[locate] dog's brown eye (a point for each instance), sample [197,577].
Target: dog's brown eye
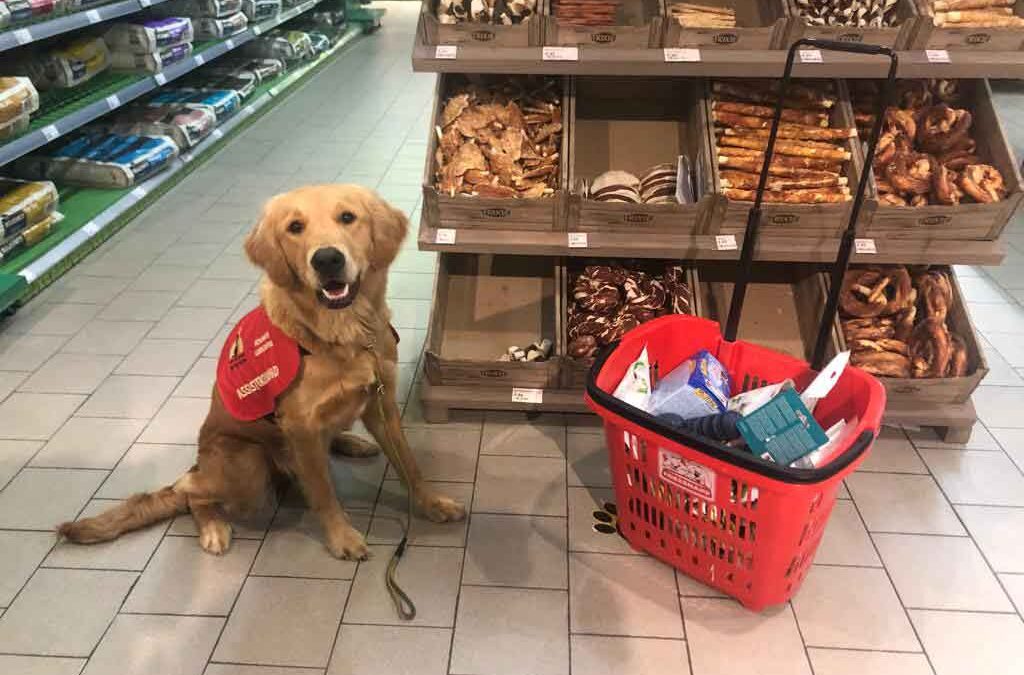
[347,217]
[295,227]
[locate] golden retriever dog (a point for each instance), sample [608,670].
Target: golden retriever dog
[325,252]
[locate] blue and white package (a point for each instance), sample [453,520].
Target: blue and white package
[103,160]
[222,102]
[697,387]
[150,35]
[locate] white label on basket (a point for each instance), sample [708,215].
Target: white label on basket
[679,55]
[687,475]
[94,16]
[199,59]
[50,132]
[810,56]
[160,78]
[22,36]
[866,246]
[446,52]
[444,235]
[139,192]
[522,395]
[578,240]
[560,54]
[725,242]
[936,55]
[113,102]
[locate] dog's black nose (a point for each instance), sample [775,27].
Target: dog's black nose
[328,261]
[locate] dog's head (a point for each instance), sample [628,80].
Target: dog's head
[326,239]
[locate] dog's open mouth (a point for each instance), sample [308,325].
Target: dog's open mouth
[337,294]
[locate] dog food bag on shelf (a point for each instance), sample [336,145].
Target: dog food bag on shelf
[260,10]
[149,36]
[264,69]
[242,83]
[290,45]
[150,63]
[5,16]
[320,43]
[95,159]
[208,28]
[24,204]
[23,11]
[199,8]
[222,103]
[18,98]
[28,237]
[67,66]
[186,125]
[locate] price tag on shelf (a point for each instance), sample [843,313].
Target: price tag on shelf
[160,78]
[272,91]
[50,132]
[139,192]
[523,395]
[725,242]
[22,36]
[93,16]
[248,110]
[217,134]
[865,246]
[113,102]
[444,235]
[560,54]
[257,29]
[145,3]
[678,55]
[90,228]
[936,55]
[199,59]
[810,56]
[578,240]
[230,43]
[446,52]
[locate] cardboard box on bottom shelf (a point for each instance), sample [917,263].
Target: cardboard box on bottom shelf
[498,150]
[972,36]
[760,24]
[574,370]
[896,36]
[967,220]
[943,389]
[822,220]
[482,306]
[632,125]
[433,30]
[631,24]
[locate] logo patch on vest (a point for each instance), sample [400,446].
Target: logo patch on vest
[257,363]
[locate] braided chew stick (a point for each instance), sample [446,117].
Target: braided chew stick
[748,181]
[783,147]
[751,160]
[792,115]
[811,196]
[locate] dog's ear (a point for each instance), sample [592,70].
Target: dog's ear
[263,249]
[389,229]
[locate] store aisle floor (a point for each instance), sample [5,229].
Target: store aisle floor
[104,380]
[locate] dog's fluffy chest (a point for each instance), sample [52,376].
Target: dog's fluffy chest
[332,390]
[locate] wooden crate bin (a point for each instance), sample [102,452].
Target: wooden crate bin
[432,32]
[896,37]
[966,38]
[631,124]
[782,310]
[760,24]
[485,304]
[464,211]
[638,26]
[901,390]
[574,371]
[966,221]
[802,220]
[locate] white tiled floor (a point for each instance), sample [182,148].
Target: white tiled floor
[105,377]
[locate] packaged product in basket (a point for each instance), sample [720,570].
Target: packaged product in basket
[209,28]
[150,63]
[28,237]
[66,66]
[22,11]
[149,36]
[222,103]
[18,97]
[96,159]
[782,430]
[24,204]
[635,387]
[185,124]
[260,10]
[199,8]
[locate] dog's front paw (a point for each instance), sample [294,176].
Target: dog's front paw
[348,544]
[441,509]
[215,537]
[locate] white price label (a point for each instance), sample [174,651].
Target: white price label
[865,246]
[725,242]
[230,43]
[936,55]
[248,110]
[199,59]
[187,157]
[22,36]
[139,192]
[810,56]
[522,395]
[217,134]
[50,132]
[145,3]
[560,54]
[94,16]
[272,91]
[444,235]
[578,240]
[160,78]
[90,228]
[113,102]
[677,55]
[446,52]
[257,29]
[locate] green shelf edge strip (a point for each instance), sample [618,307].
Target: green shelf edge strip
[19,284]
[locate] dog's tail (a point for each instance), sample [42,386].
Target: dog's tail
[135,512]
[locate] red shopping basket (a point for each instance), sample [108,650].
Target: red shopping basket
[725,517]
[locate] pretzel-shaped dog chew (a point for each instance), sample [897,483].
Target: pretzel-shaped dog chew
[958,361]
[930,349]
[875,291]
[941,128]
[936,294]
[910,173]
[783,147]
[791,115]
[834,195]
[882,363]
[983,182]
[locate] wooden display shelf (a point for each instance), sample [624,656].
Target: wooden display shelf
[704,247]
[472,58]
